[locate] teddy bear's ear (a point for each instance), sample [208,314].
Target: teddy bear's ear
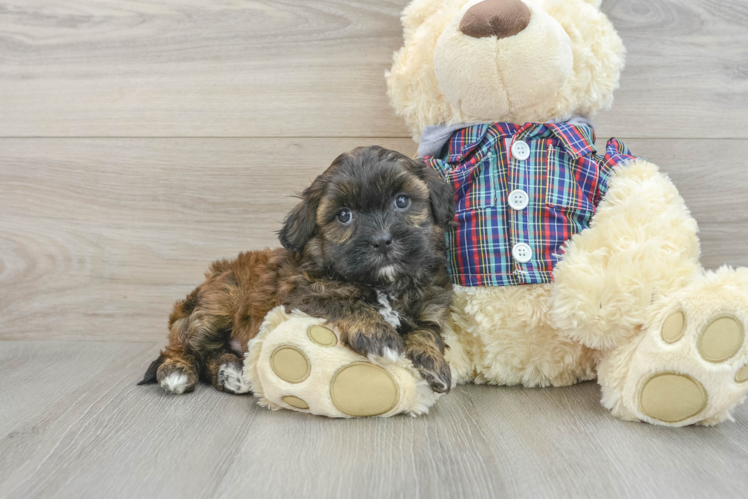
[417,11]
[411,82]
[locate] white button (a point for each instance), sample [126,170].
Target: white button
[518,199]
[520,150]
[522,252]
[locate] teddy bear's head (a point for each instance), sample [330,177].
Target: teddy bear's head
[503,61]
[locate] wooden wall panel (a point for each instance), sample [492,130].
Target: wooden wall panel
[98,237]
[296,68]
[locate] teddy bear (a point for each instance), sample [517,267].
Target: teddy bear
[568,263]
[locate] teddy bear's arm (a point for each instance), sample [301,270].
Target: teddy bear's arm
[641,243]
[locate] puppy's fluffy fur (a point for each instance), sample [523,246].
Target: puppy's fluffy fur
[363,249]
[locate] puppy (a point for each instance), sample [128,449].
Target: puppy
[364,249]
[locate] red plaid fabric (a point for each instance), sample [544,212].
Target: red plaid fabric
[563,179]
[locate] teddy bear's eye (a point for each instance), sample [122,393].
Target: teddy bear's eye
[345,216]
[402,202]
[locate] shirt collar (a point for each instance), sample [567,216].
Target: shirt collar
[578,139]
[576,134]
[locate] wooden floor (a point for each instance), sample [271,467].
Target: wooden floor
[74,424]
[142,139]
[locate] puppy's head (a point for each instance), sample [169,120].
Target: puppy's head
[373,216]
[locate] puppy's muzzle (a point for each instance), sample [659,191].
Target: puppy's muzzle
[382,242]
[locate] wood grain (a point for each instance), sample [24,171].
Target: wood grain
[99,237]
[73,424]
[293,68]
[142,139]
[192,68]
[686,69]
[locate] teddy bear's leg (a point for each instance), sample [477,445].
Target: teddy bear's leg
[672,338]
[298,363]
[504,336]
[690,364]
[642,244]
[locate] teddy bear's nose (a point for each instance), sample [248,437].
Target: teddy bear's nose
[499,18]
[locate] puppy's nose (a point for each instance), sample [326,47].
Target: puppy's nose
[382,242]
[499,18]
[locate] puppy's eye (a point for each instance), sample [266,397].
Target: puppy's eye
[344,216]
[402,202]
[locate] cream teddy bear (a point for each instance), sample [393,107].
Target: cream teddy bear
[568,264]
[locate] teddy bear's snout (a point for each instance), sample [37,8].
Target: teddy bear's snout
[499,18]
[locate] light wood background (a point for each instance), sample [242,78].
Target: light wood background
[140,140]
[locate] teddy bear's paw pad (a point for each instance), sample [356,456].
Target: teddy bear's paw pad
[322,336]
[672,398]
[363,389]
[295,402]
[290,364]
[721,339]
[673,328]
[742,375]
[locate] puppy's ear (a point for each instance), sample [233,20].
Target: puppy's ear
[441,194]
[301,223]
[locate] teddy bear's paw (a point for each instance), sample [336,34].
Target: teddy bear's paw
[356,389]
[301,365]
[673,397]
[691,365]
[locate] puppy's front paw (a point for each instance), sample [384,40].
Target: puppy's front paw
[379,339]
[434,368]
[231,379]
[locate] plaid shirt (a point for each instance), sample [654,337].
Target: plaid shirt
[562,181]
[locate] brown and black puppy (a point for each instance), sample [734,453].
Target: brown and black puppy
[364,249]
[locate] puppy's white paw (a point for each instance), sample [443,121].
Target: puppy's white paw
[230,377]
[175,382]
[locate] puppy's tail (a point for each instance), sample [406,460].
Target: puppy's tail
[150,373]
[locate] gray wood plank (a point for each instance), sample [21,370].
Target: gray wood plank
[75,425]
[83,442]
[686,73]
[185,68]
[99,237]
[712,177]
[47,388]
[298,68]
